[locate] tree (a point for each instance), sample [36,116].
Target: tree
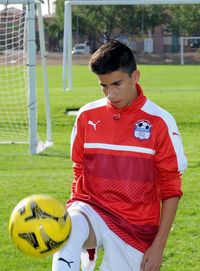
[108,22]
[140,19]
[55,27]
[99,21]
[185,19]
[103,22]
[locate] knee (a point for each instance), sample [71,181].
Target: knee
[90,242]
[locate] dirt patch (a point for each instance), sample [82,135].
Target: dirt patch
[57,59]
[189,58]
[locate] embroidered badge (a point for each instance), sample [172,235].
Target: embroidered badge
[142,129]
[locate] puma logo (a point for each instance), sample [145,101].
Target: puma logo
[93,124]
[68,263]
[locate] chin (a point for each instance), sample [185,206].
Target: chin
[121,107]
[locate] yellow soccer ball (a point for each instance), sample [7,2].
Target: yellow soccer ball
[39,225]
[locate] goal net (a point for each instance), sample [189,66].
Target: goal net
[14,123]
[18,99]
[188,45]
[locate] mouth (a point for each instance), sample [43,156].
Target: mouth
[115,102]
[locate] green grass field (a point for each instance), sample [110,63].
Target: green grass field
[176,88]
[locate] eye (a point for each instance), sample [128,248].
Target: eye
[103,87]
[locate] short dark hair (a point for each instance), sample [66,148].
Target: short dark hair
[113,56]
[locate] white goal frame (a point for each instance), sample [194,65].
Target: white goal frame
[35,145]
[182,47]
[67,46]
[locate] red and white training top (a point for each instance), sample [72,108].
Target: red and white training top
[126,161]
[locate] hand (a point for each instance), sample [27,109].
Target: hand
[152,259]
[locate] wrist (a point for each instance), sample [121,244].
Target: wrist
[159,243]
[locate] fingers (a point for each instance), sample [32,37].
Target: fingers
[148,266]
[143,264]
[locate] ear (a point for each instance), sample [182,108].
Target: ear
[136,76]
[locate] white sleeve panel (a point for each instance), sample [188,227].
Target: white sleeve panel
[153,109]
[89,106]
[73,136]
[92,105]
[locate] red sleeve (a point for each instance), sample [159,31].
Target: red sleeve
[77,170]
[170,161]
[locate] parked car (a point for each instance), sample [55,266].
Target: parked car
[81,49]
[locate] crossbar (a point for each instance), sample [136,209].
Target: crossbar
[131,2]
[8,2]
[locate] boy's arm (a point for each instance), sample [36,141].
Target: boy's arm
[170,162]
[152,259]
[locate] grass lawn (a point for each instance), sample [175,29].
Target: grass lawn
[176,88]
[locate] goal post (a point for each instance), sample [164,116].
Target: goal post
[67,45]
[182,41]
[18,95]
[45,76]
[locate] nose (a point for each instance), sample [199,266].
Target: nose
[111,93]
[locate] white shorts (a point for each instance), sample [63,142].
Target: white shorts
[118,255]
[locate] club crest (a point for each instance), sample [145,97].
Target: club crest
[142,130]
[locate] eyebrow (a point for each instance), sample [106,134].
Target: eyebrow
[114,83]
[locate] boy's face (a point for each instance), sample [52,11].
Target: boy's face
[119,87]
